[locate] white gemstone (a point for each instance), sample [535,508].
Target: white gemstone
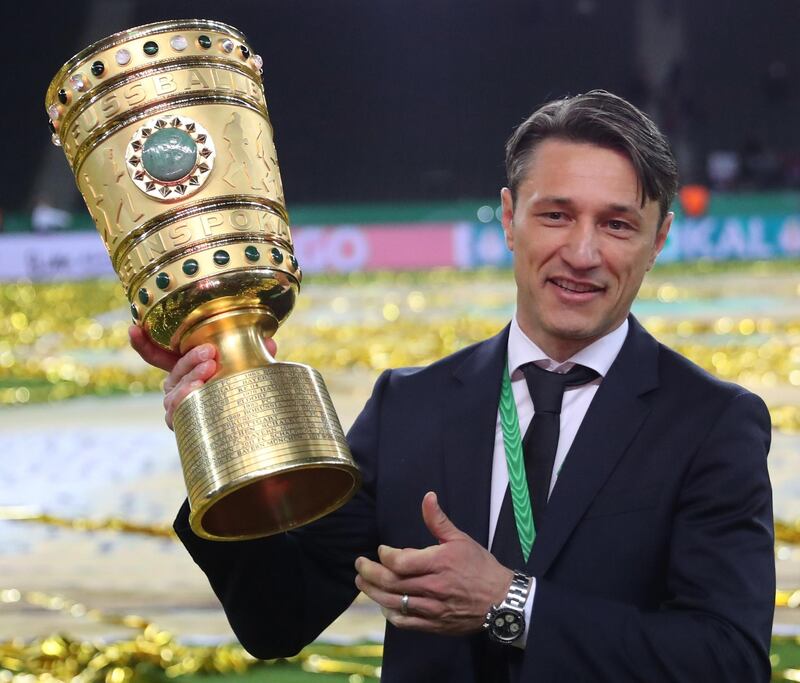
[258,62]
[53,111]
[227,45]
[55,140]
[78,82]
[179,43]
[123,56]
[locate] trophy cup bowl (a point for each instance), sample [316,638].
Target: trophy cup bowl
[165,127]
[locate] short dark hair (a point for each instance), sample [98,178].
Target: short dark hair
[600,118]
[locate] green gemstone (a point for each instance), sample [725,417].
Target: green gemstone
[205,42]
[98,68]
[150,47]
[277,256]
[252,253]
[62,96]
[162,280]
[190,266]
[294,263]
[134,312]
[169,154]
[144,295]
[221,257]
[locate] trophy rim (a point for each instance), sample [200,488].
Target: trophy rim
[134,33]
[201,507]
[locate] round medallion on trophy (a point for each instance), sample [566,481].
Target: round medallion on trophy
[170,157]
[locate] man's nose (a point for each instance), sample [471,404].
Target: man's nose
[582,248]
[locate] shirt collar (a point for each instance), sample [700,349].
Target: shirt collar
[598,356]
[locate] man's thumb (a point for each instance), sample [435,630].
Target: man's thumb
[438,523]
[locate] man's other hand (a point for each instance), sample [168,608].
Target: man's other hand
[450,586]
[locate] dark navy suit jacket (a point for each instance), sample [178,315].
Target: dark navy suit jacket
[654,562]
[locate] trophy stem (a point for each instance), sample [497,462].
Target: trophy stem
[239,337]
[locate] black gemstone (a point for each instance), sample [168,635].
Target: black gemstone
[294,263]
[144,295]
[150,47]
[190,266]
[204,41]
[98,68]
[221,257]
[252,253]
[51,126]
[134,312]
[245,51]
[62,96]
[162,280]
[277,256]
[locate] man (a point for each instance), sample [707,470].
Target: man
[635,540]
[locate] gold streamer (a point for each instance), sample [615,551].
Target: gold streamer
[787,598]
[17,514]
[785,532]
[409,319]
[58,658]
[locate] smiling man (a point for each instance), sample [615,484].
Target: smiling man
[608,507]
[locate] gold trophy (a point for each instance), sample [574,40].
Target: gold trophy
[166,129]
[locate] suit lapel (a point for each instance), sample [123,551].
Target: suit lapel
[470,403]
[614,416]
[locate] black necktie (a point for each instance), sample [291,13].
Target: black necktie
[547,390]
[541,439]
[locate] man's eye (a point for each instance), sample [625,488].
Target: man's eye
[554,215]
[618,225]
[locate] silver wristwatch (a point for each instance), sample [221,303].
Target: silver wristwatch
[506,622]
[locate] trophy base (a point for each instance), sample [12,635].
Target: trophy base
[262,452]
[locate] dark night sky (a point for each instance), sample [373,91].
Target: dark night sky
[388,100]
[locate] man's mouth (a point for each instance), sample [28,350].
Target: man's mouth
[576,287]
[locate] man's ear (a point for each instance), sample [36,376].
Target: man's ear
[661,238]
[507,203]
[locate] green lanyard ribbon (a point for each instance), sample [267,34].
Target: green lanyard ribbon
[517,481]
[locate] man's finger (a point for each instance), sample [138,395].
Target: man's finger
[151,353]
[196,376]
[188,362]
[417,605]
[376,574]
[438,523]
[411,622]
[428,585]
[409,561]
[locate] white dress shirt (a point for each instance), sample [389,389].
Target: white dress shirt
[598,356]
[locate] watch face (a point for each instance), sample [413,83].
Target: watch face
[507,625]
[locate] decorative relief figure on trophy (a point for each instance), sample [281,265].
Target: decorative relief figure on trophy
[271,177]
[240,162]
[204,251]
[115,201]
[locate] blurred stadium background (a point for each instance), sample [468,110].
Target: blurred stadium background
[390,121]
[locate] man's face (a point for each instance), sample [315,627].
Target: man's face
[582,243]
